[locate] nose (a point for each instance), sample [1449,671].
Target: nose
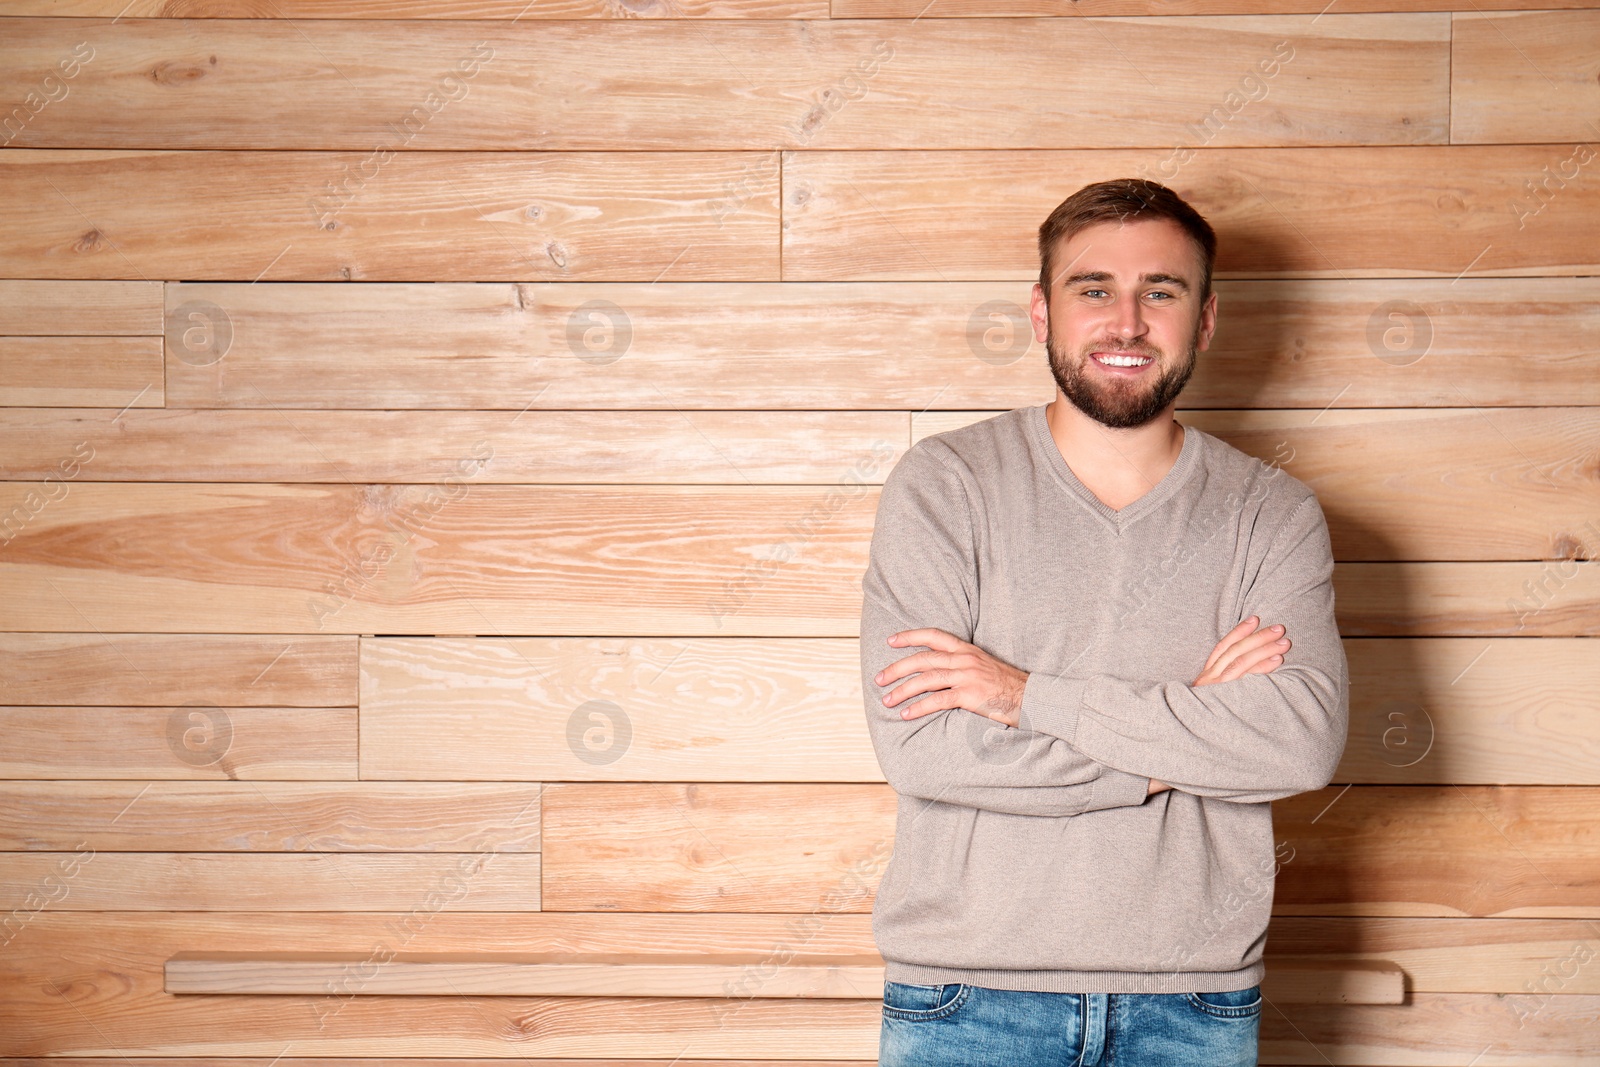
[1129,322]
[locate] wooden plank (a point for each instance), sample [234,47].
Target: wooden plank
[55,951]
[669,85]
[80,309]
[452,448]
[624,709]
[1288,212]
[422,216]
[1398,343]
[647,561]
[1445,710]
[1288,981]
[282,881]
[1506,956]
[1553,598]
[950,9]
[153,669]
[508,10]
[1472,711]
[1292,343]
[1528,76]
[1501,851]
[268,817]
[1512,957]
[1524,851]
[193,741]
[1430,1030]
[104,372]
[551,974]
[1372,470]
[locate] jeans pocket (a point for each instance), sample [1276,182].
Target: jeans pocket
[1232,1004]
[903,1000]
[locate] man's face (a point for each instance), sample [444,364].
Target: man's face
[1124,289]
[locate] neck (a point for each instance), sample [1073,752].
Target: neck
[1138,453]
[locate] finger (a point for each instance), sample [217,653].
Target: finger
[901,667]
[943,700]
[1261,638]
[927,681]
[1229,638]
[931,636]
[1267,656]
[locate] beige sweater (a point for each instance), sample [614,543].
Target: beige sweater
[1031,857]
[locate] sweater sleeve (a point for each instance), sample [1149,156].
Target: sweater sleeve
[922,571]
[1256,738]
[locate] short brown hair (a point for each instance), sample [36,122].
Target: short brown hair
[1115,201]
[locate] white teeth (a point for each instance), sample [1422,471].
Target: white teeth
[1124,361]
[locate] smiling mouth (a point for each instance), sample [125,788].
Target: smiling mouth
[1121,359]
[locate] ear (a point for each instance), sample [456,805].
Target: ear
[1208,322]
[1039,312]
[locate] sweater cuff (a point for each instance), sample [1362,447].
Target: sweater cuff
[1117,789]
[1050,705]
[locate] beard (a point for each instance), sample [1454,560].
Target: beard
[1116,403]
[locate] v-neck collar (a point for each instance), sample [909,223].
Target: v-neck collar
[1188,456]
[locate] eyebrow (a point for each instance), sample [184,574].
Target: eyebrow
[1104,276]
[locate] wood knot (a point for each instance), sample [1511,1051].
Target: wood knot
[178,73]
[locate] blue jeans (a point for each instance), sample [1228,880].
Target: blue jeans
[961,1025]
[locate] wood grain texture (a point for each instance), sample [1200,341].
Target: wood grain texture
[674,85]
[451,448]
[190,741]
[104,372]
[423,216]
[770,561]
[1492,471]
[81,309]
[113,963]
[1505,852]
[618,709]
[1553,598]
[1288,980]
[414,883]
[155,669]
[1417,211]
[1432,710]
[1528,76]
[860,345]
[267,817]
[499,10]
[1450,851]
[949,9]
[489,559]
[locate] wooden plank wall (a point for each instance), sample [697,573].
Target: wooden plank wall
[442,436]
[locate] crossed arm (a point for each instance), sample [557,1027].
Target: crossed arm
[1253,726]
[960,675]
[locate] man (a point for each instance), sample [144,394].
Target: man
[1095,644]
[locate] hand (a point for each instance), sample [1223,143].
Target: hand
[957,674]
[1242,652]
